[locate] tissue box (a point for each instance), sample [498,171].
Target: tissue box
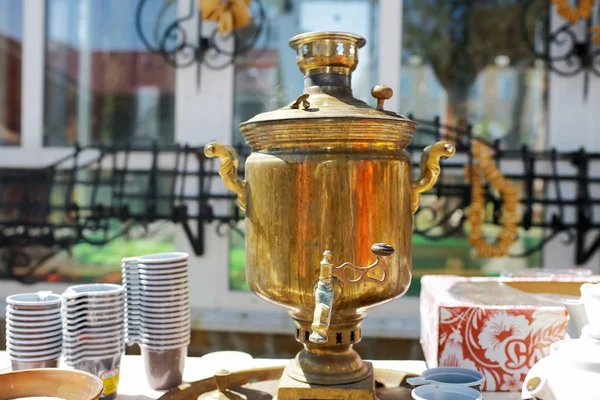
[498,327]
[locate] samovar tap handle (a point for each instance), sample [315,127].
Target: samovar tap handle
[228,169]
[324,291]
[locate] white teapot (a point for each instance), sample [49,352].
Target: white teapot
[572,369]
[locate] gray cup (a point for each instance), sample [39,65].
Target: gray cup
[450,376]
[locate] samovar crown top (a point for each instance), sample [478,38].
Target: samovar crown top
[327,52]
[326,108]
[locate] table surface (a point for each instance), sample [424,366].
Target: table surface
[133,386]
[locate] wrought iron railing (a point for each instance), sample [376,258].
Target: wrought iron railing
[92,196]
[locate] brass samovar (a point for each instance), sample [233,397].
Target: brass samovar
[329,180]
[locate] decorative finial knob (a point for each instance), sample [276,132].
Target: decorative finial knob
[382,250]
[381,93]
[222,379]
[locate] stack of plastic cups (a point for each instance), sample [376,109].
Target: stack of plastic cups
[33,330]
[158,314]
[94,331]
[131,283]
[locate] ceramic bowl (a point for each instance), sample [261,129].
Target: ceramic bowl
[51,382]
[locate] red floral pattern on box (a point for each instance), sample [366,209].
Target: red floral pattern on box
[503,344]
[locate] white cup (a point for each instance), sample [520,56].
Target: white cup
[166,294]
[33,313]
[183,301]
[162,273]
[159,267]
[34,334]
[104,315]
[93,304]
[93,290]
[161,278]
[44,319]
[34,301]
[159,258]
[166,329]
[165,320]
[153,347]
[84,349]
[28,327]
[90,357]
[170,311]
[35,359]
[161,283]
[43,352]
[34,342]
[92,335]
[90,328]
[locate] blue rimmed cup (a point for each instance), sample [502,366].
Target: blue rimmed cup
[445,392]
[450,376]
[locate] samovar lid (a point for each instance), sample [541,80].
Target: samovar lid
[327,60]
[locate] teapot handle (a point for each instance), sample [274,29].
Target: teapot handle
[430,169]
[228,169]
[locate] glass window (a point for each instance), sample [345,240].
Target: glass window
[467,61]
[11,37]
[101,84]
[268,78]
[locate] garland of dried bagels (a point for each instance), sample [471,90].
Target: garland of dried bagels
[508,234]
[575,14]
[229,14]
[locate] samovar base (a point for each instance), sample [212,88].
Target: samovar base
[293,389]
[337,365]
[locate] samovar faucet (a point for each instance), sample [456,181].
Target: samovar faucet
[323,301]
[324,291]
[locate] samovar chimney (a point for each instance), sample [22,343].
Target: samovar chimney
[327,59]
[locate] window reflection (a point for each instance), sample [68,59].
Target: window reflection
[11,36]
[467,61]
[101,84]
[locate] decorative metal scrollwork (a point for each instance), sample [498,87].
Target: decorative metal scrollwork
[566,50]
[171,40]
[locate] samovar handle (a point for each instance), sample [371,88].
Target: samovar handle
[430,159]
[430,169]
[228,169]
[324,291]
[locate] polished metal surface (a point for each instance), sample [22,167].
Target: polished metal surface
[329,176]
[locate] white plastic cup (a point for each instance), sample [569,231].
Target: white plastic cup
[42,300]
[11,333]
[33,313]
[31,328]
[93,290]
[43,319]
[34,341]
[162,258]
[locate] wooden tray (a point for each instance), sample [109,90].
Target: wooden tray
[264,381]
